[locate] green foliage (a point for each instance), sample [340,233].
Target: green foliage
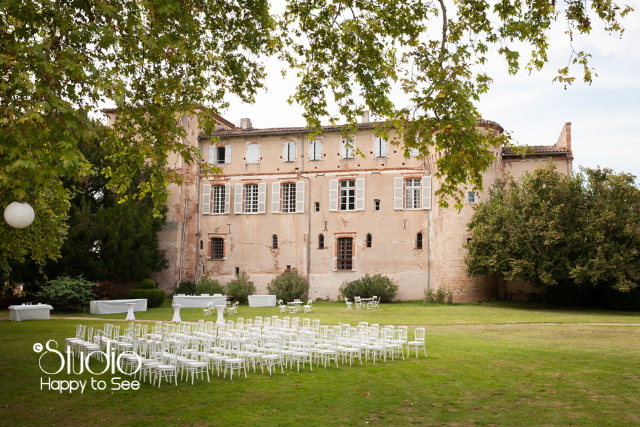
[289,285]
[567,234]
[185,287]
[67,293]
[240,288]
[209,286]
[155,297]
[147,284]
[369,286]
[440,296]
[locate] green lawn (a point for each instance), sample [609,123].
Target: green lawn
[488,364]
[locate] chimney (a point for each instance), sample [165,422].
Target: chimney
[246,124]
[565,137]
[365,116]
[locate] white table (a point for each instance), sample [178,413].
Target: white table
[176,313]
[199,301]
[262,300]
[117,306]
[29,312]
[130,307]
[294,306]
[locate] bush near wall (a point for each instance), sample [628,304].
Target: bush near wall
[289,285]
[370,286]
[240,288]
[155,297]
[148,284]
[185,287]
[209,286]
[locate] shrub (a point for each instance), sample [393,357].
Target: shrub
[185,287]
[440,295]
[155,297]
[289,286]
[67,293]
[240,288]
[369,286]
[147,284]
[209,286]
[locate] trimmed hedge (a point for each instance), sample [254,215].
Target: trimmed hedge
[240,288]
[289,286]
[155,297]
[209,286]
[147,284]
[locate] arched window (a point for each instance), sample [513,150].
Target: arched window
[275,241]
[321,241]
[369,240]
[419,241]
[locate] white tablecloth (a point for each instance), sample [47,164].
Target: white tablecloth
[198,301]
[116,306]
[262,300]
[29,312]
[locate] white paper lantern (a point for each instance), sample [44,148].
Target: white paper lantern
[19,215]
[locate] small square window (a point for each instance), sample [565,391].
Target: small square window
[376,204]
[317,206]
[471,197]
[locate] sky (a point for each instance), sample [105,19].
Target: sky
[605,115]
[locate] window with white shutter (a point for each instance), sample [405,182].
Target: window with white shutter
[289,151]
[253,152]
[426,192]
[347,148]
[315,149]
[300,197]
[275,197]
[380,147]
[206,199]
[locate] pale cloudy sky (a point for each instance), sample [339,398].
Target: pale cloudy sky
[605,116]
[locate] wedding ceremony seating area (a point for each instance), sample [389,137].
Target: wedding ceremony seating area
[186,351]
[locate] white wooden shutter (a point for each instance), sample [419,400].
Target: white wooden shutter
[300,196]
[227,198]
[316,149]
[289,151]
[384,147]
[426,192]
[333,195]
[376,146]
[262,197]
[206,199]
[360,194]
[275,197]
[227,154]
[237,199]
[212,154]
[398,184]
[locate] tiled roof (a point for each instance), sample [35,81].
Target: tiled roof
[536,149]
[290,130]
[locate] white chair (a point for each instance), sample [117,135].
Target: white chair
[373,303]
[272,361]
[233,309]
[358,303]
[283,308]
[307,307]
[418,342]
[348,304]
[167,370]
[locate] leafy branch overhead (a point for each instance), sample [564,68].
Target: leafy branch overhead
[159,61]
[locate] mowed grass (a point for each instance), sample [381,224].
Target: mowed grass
[487,364]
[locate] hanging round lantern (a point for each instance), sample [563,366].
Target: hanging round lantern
[19,215]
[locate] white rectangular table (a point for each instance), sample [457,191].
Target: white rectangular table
[198,300]
[262,300]
[29,312]
[116,306]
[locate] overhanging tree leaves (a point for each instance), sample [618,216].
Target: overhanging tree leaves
[156,61]
[557,231]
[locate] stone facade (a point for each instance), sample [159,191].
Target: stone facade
[283,200]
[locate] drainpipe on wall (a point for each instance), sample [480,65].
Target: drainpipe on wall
[302,140]
[182,238]
[198,194]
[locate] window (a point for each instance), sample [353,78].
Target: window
[219,154]
[215,198]
[411,193]
[253,152]
[250,198]
[289,151]
[317,206]
[380,147]
[414,152]
[344,253]
[471,196]
[219,203]
[412,188]
[287,197]
[346,195]
[419,241]
[315,149]
[369,241]
[321,241]
[275,241]
[347,148]
[376,204]
[217,248]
